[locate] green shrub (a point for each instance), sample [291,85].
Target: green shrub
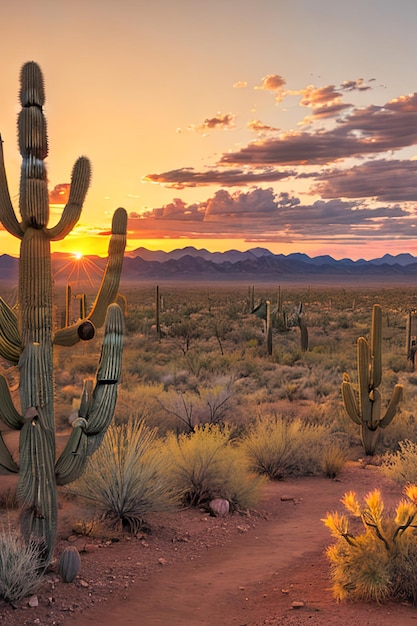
[21,567]
[126,477]
[207,464]
[278,448]
[380,563]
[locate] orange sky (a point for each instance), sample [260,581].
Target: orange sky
[289,126]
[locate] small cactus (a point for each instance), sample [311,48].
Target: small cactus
[69,564]
[365,409]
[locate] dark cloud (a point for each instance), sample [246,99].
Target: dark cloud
[382,179]
[355,85]
[218,121]
[188,177]
[365,131]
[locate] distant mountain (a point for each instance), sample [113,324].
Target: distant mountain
[215,257]
[259,264]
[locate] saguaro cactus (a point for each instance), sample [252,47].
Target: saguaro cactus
[365,409]
[27,333]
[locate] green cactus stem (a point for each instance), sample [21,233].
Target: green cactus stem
[364,407]
[27,335]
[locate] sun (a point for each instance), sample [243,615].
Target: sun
[78,255]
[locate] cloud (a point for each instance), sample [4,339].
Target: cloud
[319,96]
[383,179]
[260,214]
[365,131]
[275,83]
[218,121]
[259,127]
[175,210]
[188,177]
[356,85]
[240,84]
[59,194]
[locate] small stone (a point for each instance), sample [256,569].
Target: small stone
[162,561]
[84,583]
[33,601]
[297,604]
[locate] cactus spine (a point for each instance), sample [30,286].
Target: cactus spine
[365,409]
[27,333]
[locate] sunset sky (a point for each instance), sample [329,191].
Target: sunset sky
[229,124]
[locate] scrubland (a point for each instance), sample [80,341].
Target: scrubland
[206,410]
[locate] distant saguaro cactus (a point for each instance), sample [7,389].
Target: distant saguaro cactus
[303,328]
[366,409]
[27,332]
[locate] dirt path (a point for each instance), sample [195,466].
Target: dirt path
[256,578]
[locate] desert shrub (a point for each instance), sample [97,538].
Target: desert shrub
[207,464]
[126,477]
[278,448]
[378,564]
[402,427]
[401,465]
[21,568]
[333,460]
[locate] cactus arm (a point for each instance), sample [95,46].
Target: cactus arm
[365,408]
[80,181]
[397,395]
[109,287]
[376,346]
[39,506]
[7,214]
[8,414]
[110,284]
[10,344]
[97,408]
[349,400]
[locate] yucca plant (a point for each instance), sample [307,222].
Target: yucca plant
[127,476]
[21,568]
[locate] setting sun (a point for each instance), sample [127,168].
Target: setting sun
[78,255]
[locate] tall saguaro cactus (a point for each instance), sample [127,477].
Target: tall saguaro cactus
[27,334]
[365,409]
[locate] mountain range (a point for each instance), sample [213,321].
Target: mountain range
[258,264]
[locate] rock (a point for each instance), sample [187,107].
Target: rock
[219,507]
[162,561]
[297,604]
[33,601]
